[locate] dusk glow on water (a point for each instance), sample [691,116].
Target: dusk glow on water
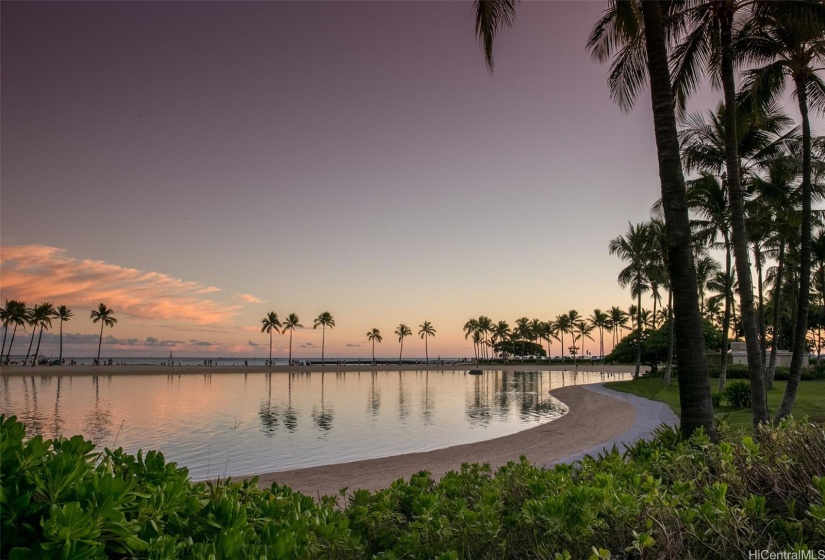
[236,424]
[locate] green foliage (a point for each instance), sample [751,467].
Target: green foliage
[655,345]
[666,498]
[738,393]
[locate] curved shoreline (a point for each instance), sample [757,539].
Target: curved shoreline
[595,419]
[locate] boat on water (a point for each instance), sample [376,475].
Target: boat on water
[475,372]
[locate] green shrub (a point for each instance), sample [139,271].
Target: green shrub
[738,393]
[665,498]
[716,399]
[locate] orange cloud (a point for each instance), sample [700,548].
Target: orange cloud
[35,273]
[249,298]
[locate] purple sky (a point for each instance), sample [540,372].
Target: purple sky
[197,164]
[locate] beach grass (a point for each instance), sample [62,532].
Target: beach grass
[810,400]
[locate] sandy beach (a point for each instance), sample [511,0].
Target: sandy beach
[593,419]
[67,370]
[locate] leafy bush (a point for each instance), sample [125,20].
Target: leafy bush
[716,399]
[666,498]
[738,393]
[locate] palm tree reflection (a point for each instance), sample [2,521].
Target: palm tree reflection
[99,420]
[267,412]
[323,416]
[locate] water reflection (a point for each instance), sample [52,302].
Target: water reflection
[273,421]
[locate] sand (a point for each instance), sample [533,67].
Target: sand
[592,419]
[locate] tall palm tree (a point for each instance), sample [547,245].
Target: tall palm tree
[501,334]
[44,312]
[32,320]
[401,332]
[583,328]
[16,314]
[323,320]
[634,32]
[600,320]
[425,331]
[485,327]
[290,324]
[470,329]
[523,330]
[103,315]
[635,248]
[618,322]
[62,313]
[268,324]
[790,44]
[374,336]
[562,326]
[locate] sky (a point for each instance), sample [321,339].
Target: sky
[195,165]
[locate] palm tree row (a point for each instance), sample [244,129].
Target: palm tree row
[671,45]
[490,338]
[271,322]
[39,318]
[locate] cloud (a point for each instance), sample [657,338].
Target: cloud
[250,343]
[353,346]
[308,345]
[42,273]
[249,298]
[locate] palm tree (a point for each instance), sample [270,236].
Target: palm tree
[562,326]
[523,330]
[103,315]
[600,320]
[790,44]
[425,331]
[15,313]
[402,331]
[618,322]
[33,321]
[44,314]
[485,327]
[324,320]
[374,336]
[634,33]
[268,324]
[63,313]
[501,333]
[470,328]
[635,248]
[584,329]
[290,324]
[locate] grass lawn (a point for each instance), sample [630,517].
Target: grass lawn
[810,399]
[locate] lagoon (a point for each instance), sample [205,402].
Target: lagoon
[243,423]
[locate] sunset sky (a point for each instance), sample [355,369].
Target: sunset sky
[195,165]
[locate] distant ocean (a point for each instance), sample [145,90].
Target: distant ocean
[232,361]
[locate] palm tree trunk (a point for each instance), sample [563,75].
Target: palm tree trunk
[757,255]
[694,386]
[373,351]
[5,332]
[799,350]
[426,351]
[100,342]
[270,347]
[723,364]
[8,354]
[323,340]
[60,357]
[31,342]
[759,403]
[290,346]
[821,307]
[37,350]
[777,299]
[669,366]
[401,351]
[638,337]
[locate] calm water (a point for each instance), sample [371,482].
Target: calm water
[237,424]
